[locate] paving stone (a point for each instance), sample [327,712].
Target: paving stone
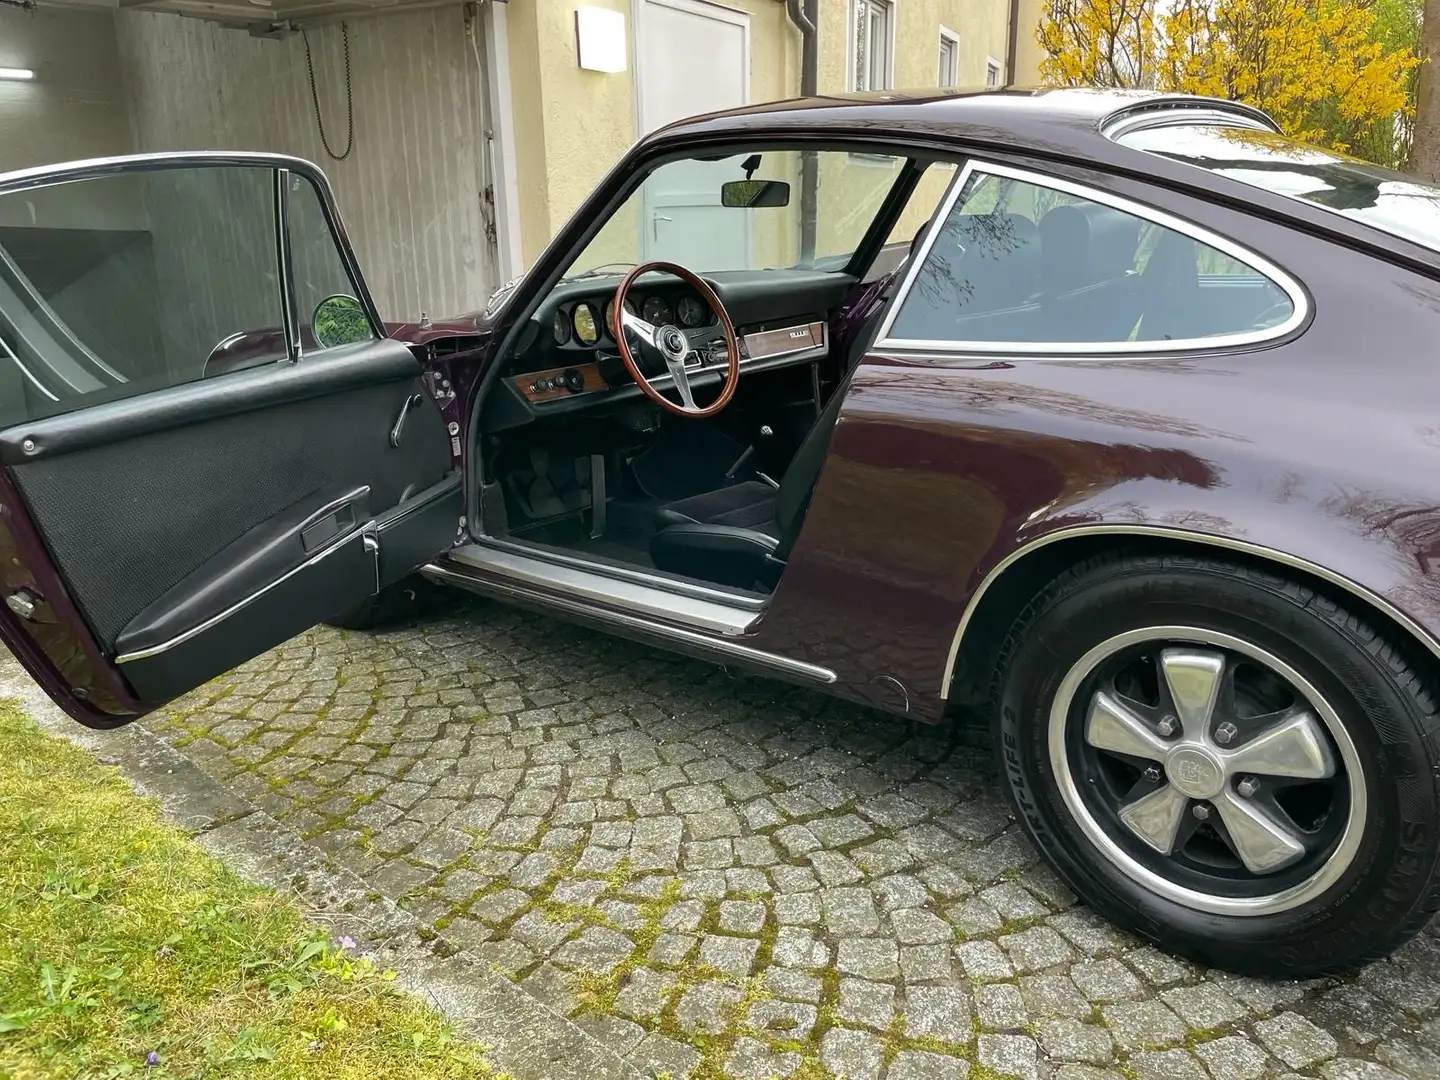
[1412,991]
[1010,1056]
[497,907]
[645,993]
[983,960]
[868,1004]
[785,1019]
[1054,995]
[870,958]
[834,869]
[1158,968]
[1036,949]
[1409,1058]
[999,1007]
[1142,1024]
[549,986]
[926,963]
[742,917]
[734,956]
[849,912]
[797,840]
[1070,1040]
[597,949]
[1295,1041]
[619,1036]
[797,909]
[795,985]
[662,1056]
[855,1055]
[913,926]
[1232,1058]
[1103,981]
[1355,1013]
[541,934]
[938,1012]
[797,948]
[672,950]
[1168,1065]
[975,918]
[751,1059]
[1352,1069]
[707,1007]
[922,1065]
[1203,1006]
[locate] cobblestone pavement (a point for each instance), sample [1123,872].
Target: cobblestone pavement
[721,876]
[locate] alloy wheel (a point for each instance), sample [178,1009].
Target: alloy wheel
[1208,769]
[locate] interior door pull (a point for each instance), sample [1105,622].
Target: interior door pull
[411,402]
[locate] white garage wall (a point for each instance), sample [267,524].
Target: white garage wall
[410,192]
[76,106]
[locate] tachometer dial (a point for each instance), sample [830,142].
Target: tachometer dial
[691,311]
[587,324]
[609,326]
[560,327]
[656,311]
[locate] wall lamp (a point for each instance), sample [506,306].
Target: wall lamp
[9,74]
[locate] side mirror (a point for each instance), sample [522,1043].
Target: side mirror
[340,320]
[747,193]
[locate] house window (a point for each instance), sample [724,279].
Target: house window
[949,58]
[870,40]
[993,71]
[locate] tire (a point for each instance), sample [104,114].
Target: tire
[385,607]
[1104,644]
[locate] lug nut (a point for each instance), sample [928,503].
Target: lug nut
[1225,733]
[1248,787]
[1152,774]
[1167,726]
[1201,812]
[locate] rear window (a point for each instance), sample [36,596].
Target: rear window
[1385,200]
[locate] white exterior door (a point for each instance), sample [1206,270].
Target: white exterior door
[694,57]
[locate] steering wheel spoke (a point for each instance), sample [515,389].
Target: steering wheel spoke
[675,345]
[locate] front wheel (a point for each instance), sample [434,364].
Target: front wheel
[1224,762]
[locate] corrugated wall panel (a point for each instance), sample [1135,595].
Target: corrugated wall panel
[410,192]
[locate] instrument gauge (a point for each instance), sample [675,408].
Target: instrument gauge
[560,327]
[691,311]
[587,323]
[656,311]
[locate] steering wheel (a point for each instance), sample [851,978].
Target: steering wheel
[675,345]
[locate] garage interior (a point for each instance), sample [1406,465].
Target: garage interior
[393,100]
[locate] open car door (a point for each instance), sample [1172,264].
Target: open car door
[207,444]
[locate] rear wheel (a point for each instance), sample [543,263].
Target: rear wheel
[1225,762]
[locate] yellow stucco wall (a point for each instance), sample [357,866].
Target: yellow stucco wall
[1028,53]
[571,125]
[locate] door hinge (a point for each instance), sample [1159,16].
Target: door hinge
[22,603]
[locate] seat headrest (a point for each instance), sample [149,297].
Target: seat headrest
[1086,243]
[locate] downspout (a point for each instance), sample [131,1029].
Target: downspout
[804,20]
[1012,46]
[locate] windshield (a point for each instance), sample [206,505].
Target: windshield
[1385,200]
[721,214]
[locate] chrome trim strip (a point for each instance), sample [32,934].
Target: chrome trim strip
[14,359]
[719,646]
[1423,636]
[289,316]
[1178,114]
[1299,299]
[820,346]
[643,600]
[358,535]
[624,573]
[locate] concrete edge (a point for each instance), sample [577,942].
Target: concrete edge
[524,1037]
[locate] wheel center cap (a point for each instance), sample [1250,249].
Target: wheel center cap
[1195,772]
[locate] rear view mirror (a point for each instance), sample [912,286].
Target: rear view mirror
[746,193]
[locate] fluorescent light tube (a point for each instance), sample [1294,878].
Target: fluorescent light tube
[17,74]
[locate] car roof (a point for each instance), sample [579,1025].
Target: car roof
[1041,119]
[1071,125]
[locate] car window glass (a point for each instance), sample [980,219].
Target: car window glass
[1018,261]
[920,208]
[121,284]
[326,298]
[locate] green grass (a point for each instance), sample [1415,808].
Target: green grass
[126,950]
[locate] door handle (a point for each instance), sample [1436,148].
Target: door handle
[411,402]
[655,225]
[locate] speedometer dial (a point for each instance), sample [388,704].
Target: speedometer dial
[656,311]
[691,311]
[587,323]
[560,328]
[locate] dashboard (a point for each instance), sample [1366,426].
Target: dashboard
[567,358]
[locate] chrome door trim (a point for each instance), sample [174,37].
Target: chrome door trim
[1299,298]
[694,590]
[524,569]
[720,646]
[355,535]
[1294,562]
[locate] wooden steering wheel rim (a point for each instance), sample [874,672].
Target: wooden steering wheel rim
[727,327]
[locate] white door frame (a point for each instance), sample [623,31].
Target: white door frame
[704,9]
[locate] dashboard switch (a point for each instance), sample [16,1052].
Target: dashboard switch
[574,380]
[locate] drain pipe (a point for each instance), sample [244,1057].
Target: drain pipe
[1012,47]
[804,20]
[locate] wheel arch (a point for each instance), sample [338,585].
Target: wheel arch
[1010,585]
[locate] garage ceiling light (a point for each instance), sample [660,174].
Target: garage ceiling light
[17,74]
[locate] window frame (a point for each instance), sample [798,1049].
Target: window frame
[994,65]
[949,39]
[886,9]
[1299,297]
[281,168]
